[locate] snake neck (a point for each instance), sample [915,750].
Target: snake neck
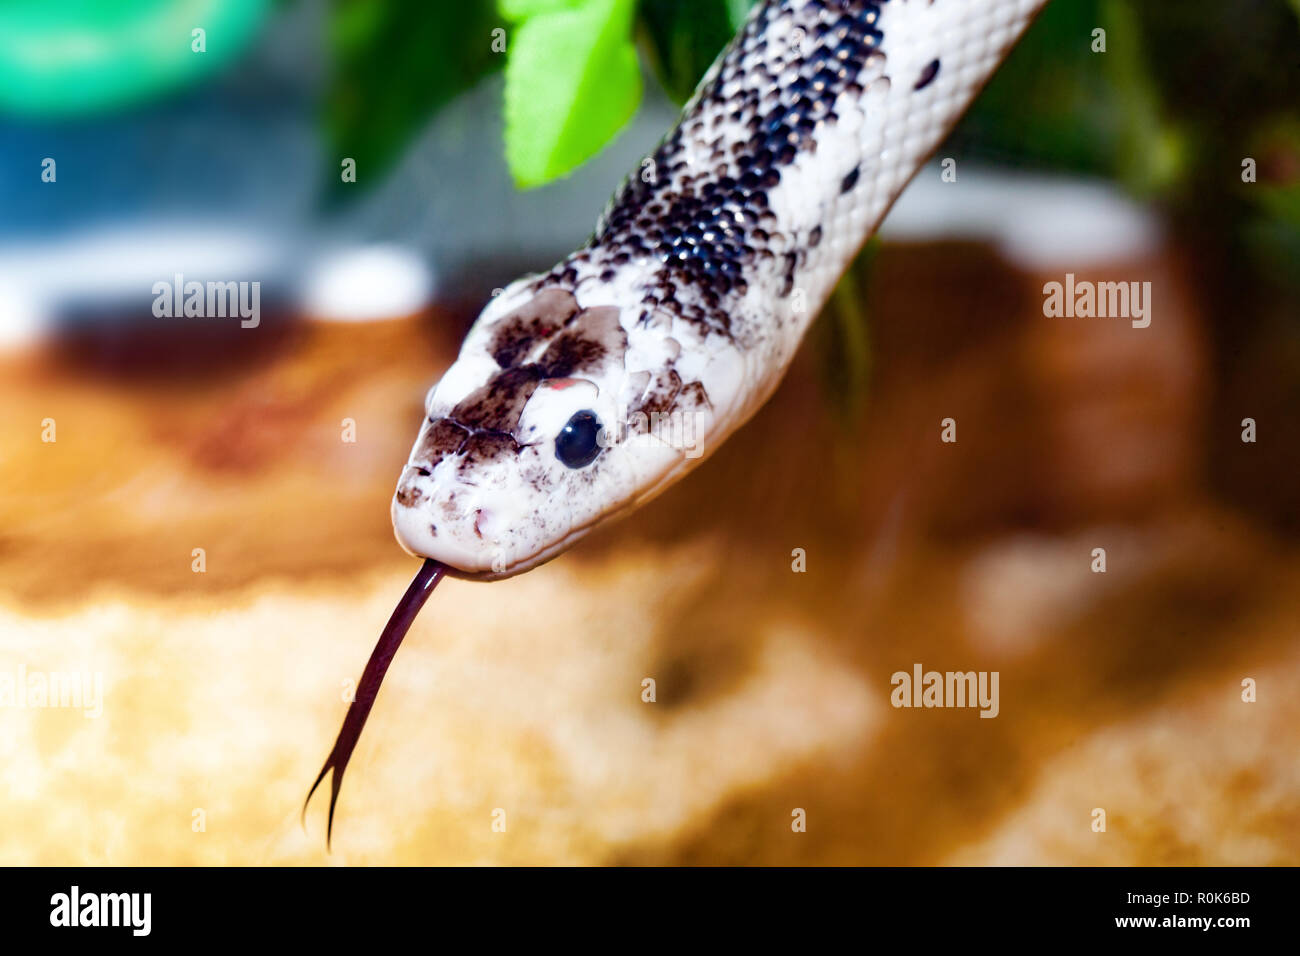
[793,148]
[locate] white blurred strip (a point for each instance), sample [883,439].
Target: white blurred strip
[40,281]
[1038,222]
[365,283]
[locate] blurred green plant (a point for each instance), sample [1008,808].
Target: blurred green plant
[844,339]
[682,38]
[394,65]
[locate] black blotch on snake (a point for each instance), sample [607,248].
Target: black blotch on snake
[707,223]
[927,75]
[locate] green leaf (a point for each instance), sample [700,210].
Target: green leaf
[684,37]
[516,10]
[572,82]
[395,66]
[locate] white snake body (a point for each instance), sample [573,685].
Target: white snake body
[678,318]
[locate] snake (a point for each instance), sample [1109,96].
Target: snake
[581,393]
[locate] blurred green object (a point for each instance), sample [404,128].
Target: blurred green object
[396,63]
[845,337]
[684,36]
[69,57]
[738,11]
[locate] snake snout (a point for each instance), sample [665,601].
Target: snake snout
[441,514]
[429,524]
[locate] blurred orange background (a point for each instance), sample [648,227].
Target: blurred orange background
[223,689]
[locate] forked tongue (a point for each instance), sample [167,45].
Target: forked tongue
[426,579]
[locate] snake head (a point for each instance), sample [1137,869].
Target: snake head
[526,443]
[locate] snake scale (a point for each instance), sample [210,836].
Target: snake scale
[581,393]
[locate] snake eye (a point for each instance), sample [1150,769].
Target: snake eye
[576,445]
